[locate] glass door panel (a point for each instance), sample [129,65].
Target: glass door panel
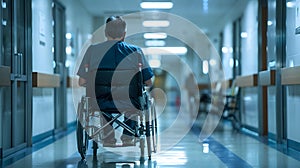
[13,55]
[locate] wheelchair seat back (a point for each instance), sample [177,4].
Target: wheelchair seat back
[118,90]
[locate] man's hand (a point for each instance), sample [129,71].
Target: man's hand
[81,82]
[148,82]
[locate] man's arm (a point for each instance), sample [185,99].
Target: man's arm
[84,67]
[147,71]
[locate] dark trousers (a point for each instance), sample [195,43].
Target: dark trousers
[109,132]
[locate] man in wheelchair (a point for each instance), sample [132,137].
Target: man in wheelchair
[114,73]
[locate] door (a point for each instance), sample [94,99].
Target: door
[60,58]
[15,98]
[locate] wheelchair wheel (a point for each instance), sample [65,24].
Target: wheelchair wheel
[154,128]
[82,140]
[151,130]
[148,133]
[142,147]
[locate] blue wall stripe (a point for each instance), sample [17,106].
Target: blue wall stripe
[230,159]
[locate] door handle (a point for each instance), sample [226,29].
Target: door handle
[20,64]
[15,65]
[18,67]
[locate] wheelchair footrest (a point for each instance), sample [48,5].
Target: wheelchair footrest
[124,144]
[118,145]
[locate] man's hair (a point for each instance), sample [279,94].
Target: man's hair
[115,27]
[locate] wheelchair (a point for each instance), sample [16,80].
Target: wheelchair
[91,124]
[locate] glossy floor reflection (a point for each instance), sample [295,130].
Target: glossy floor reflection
[225,148]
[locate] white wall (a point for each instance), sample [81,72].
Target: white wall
[293,59]
[249,63]
[227,51]
[249,45]
[42,33]
[80,24]
[43,111]
[292,40]
[42,61]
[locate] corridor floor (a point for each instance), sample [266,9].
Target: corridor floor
[225,148]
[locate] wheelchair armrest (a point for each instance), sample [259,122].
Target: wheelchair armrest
[229,96]
[148,88]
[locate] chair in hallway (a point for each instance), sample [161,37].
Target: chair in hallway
[231,105]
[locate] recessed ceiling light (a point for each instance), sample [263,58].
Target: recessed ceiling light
[155,43]
[290,4]
[4,5]
[244,34]
[269,23]
[156,23]
[165,50]
[68,36]
[224,50]
[156,5]
[155,35]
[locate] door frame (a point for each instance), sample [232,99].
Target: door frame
[281,94]
[60,94]
[28,52]
[26,79]
[1,151]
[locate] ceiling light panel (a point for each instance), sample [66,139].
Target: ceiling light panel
[156,23]
[156,5]
[155,43]
[165,50]
[155,35]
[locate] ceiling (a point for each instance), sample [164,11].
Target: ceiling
[211,21]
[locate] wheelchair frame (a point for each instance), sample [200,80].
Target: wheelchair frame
[86,130]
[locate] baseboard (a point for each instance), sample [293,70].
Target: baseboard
[251,128]
[297,31]
[71,125]
[272,136]
[42,136]
[293,144]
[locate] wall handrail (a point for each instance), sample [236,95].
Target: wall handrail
[267,78]
[247,81]
[43,80]
[72,82]
[290,76]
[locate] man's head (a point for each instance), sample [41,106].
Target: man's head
[115,28]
